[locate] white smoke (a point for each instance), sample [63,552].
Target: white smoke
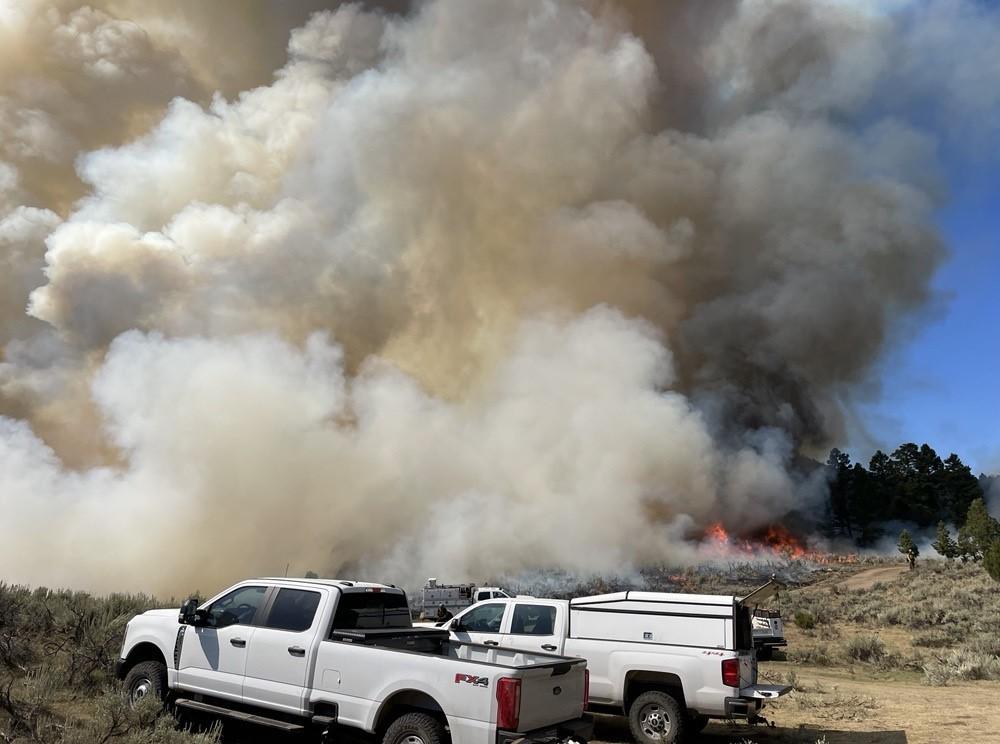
[481,288]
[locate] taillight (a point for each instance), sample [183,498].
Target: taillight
[508,703]
[731,672]
[586,689]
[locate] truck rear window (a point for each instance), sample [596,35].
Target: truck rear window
[743,630]
[370,610]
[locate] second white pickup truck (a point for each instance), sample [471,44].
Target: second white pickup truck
[296,653]
[669,662]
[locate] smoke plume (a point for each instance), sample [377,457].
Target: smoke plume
[452,289]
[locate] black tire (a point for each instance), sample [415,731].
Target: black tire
[655,717]
[765,653]
[145,678]
[411,726]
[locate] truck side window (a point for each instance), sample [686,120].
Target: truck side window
[483,619]
[533,620]
[293,609]
[238,607]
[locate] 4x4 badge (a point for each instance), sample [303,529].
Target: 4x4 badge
[473,680]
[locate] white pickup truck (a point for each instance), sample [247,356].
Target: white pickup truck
[297,653]
[669,662]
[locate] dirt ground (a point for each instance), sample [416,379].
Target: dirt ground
[845,707]
[870,577]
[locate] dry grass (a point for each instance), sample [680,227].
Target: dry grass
[941,619]
[57,651]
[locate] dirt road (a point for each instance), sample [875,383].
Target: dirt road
[848,709]
[870,577]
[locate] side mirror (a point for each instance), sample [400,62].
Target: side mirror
[187,613]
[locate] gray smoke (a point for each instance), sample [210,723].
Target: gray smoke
[463,289]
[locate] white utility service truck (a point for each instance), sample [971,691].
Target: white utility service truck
[669,662]
[296,653]
[455,597]
[768,627]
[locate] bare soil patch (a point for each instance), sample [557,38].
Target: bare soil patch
[870,577]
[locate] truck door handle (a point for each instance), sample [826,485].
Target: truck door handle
[296,651]
[238,642]
[548,647]
[491,643]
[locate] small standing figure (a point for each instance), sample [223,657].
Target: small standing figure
[908,548]
[443,615]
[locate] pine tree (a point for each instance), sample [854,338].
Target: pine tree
[991,560]
[943,544]
[884,482]
[960,488]
[964,547]
[980,528]
[838,467]
[908,548]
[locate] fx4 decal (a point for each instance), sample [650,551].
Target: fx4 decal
[473,680]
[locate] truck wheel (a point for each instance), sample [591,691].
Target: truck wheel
[656,718]
[415,728]
[764,653]
[148,678]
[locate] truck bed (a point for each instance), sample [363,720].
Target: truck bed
[437,642]
[381,662]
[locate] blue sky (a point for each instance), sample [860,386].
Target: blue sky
[942,386]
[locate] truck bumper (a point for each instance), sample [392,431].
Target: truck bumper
[739,707]
[773,642]
[578,730]
[120,669]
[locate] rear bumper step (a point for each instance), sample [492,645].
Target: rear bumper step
[770,642]
[579,730]
[219,710]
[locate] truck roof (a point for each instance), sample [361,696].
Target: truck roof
[338,583]
[702,599]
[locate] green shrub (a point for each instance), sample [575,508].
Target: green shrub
[934,639]
[962,664]
[867,648]
[805,619]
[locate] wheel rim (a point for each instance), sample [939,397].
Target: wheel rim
[142,687]
[411,739]
[654,721]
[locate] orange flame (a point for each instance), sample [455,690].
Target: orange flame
[717,533]
[780,540]
[774,542]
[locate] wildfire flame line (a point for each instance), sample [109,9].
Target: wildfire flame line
[774,542]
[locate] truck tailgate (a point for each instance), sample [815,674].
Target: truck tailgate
[765,692]
[551,694]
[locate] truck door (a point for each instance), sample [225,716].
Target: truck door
[213,658]
[534,626]
[480,623]
[283,645]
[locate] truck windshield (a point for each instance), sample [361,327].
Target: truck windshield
[370,610]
